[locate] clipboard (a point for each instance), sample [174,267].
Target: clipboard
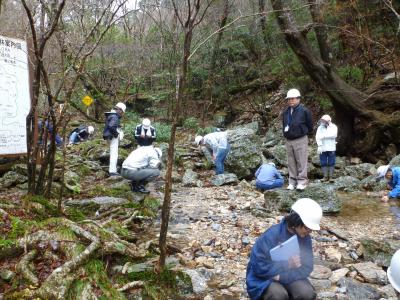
[285,250]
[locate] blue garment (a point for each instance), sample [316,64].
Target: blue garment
[277,183]
[112,125]
[220,159]
[327,158]
[261,269]
[268,177]
[395,183]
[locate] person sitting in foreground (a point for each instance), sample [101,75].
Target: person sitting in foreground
[392,175]
[285,279]
[393,272]
[80,134]
[268,177]
[142,166]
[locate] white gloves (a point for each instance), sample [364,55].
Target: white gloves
[319,150]
[120,134]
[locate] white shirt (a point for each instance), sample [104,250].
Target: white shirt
[326,137]
[142,157]
[216,140]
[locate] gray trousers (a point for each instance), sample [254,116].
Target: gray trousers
[297,290]
[146,174]
[297,157]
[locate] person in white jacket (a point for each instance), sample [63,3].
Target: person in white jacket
[326,141]
[142,166]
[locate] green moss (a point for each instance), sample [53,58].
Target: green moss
[118,229]
[96,271]
[75,214]
[122,191]
[50,208]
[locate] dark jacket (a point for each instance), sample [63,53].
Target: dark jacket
[82,131]
[112,124]
[299,122]
[261,269]
[146,140]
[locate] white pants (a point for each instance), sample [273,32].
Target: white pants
[113,155]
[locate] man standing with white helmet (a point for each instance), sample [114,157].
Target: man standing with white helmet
[268,279]
[113,133]
[326,141]
[392,175]
[145,134]
[297,124]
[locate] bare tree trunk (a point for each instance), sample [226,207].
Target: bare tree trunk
[211,78]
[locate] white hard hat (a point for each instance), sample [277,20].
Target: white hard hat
[159,152]
[293,93]
[90,129]
[198,139]
[146,123]
[309,211]
[121,105]
[326,118]
[271,163]
[393,271]
[381,172]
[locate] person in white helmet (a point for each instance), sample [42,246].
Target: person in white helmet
[393,272]
[80,134]
[142,166]
[326,141]
[392,176]
[285,279]
[297,125]
[113,133]
[145,134]
[217,144]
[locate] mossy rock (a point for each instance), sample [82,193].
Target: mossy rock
[380,252]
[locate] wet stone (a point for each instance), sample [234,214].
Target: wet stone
[321,272]
[371,273]
[356,290]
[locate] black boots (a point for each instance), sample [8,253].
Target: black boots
[138,187]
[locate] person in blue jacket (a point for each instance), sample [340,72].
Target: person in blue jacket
[268,177]
[392,175]
[284,280]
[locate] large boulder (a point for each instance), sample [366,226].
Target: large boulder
[190,179]
[11,178]
[273,136]
[347,184]
[395,161]
[246,152]
[278,154]
[370,184]
[380,252]
[360,171]
[325,195]
[223,179]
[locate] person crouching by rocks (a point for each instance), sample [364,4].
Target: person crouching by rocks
[145,134]
[268,177]
[267,279]
[217,144]
[113,133]
[326,141]
[142,166]
[393,273]
[392,176]
[80,134]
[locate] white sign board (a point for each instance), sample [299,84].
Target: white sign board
[14,95]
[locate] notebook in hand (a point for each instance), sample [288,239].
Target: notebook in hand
[285,250]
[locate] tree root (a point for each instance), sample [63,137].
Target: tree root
[131,285]
[24,269]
